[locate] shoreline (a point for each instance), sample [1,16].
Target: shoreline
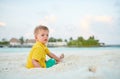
[29,46]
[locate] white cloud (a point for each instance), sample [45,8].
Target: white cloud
[49,19]
[2,24]
[29,35]
[85,24]
[107,19]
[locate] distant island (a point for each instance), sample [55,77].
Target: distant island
[53,42]
[81,42]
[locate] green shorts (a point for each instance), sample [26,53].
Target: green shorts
[50,63]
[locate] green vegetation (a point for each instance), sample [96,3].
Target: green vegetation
[21,40]
[81,42]
[4,42]
[51,39]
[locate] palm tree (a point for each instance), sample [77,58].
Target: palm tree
[21,40]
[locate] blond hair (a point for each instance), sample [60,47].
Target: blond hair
[40,27]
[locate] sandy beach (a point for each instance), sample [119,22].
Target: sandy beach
[84,65]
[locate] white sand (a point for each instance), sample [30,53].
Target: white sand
[85,65]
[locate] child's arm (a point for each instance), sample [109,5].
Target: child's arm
[35,63]
[51,55]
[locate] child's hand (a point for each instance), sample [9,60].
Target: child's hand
[61,56]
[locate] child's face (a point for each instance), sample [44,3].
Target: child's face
[42,36]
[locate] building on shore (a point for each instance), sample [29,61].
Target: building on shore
[29,42]
[14,42]
[56,44]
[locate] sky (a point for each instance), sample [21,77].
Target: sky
[64,18]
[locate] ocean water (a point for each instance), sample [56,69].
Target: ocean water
[62,49]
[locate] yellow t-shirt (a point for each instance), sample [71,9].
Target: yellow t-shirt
[38,53]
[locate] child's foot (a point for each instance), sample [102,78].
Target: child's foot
[61,56]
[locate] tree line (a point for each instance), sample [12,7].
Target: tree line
[4,42]
[79,42]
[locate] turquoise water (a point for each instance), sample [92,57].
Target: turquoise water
[58,49]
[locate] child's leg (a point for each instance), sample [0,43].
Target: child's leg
[50,63]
